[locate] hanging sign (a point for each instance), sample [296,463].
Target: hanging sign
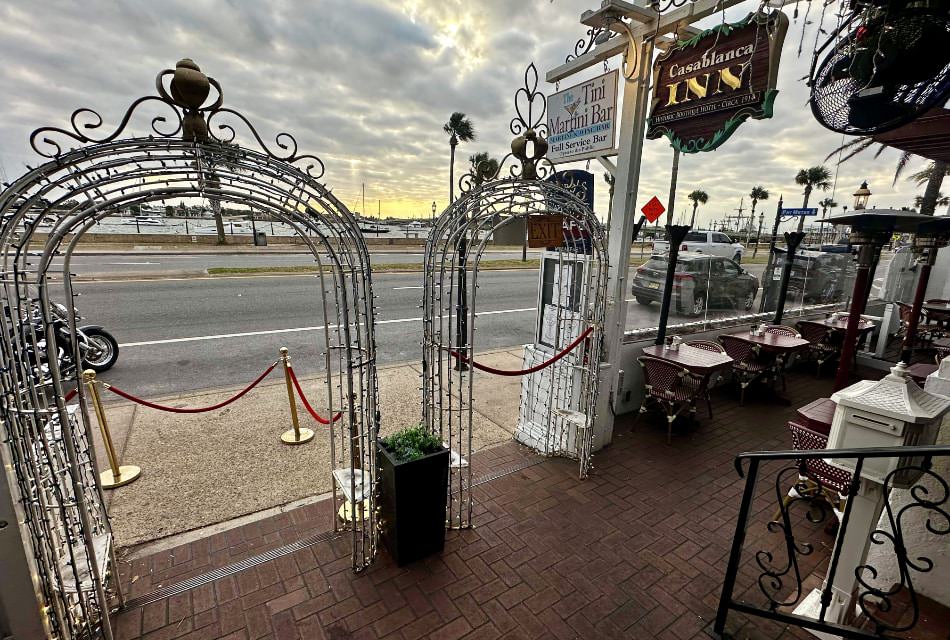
[578,182]
[705,87]
[545,231]
[653,209]
[581,120]
[800,212]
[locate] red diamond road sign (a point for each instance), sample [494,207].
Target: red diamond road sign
[653,209]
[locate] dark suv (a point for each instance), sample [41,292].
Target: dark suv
[700,281]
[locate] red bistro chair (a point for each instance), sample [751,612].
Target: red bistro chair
[672,387]
[816,478]
[748,362]
[820,346]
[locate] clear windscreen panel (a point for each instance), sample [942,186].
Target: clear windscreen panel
[821,279]
[731,290]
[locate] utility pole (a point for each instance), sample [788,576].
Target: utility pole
[674,173]
[739,211]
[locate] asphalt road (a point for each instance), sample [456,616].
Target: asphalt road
[181,264]
[181,334]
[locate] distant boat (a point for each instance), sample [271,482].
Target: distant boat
[145,221]
[373,228]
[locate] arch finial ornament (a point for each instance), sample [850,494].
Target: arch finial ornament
[184,114]
[528,158]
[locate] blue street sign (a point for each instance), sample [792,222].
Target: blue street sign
[800,212]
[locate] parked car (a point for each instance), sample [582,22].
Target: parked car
[817,277]
[711,243]
[700,281]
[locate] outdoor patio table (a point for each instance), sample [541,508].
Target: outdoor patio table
[841,324]
[817,415]
[774,343]
[698,361]
[919,372]
[781,346]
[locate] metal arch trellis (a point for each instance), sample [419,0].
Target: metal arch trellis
[489,203]
[46,437]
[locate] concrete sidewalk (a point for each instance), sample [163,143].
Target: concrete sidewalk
[208,468]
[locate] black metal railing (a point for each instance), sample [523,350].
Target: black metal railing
[773,579]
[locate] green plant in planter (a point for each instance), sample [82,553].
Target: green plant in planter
[411,443]
[413,484]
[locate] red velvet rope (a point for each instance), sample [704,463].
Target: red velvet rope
[538,367]
[316,416]
[152,405]
[70,395]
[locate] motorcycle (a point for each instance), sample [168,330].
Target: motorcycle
[98,349]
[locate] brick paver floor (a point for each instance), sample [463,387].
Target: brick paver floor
[636,551]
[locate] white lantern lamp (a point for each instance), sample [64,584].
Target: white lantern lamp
[891,412]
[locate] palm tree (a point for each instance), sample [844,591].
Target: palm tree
[933,175]
[811,178]
[757,193]
[220,155]
[484,167]
[941,201]
[698,196]
[826,204]
[460,129]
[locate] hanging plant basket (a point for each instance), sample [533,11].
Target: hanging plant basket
[413,481]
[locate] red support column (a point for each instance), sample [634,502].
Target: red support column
[849,346]
[922,280]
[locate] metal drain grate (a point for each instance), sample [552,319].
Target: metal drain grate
[507,470]
[287,549]
[229,570]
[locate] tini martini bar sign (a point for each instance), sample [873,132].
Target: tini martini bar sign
[581,120]
[705,87]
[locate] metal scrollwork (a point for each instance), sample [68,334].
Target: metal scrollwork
[527,160]
[187,98]
[47,135]
[284,141]
[772,579]
[595,35]
[875,599]
[525,98]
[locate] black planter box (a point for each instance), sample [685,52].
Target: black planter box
[412,504]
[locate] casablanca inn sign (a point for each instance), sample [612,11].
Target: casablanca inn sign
[705,87]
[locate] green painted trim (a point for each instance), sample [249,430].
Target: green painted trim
[725,29]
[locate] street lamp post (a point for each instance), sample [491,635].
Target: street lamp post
[433,213]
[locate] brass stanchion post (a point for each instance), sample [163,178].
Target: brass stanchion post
[116,475]
[297,435]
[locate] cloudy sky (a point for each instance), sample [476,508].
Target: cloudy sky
[366,86]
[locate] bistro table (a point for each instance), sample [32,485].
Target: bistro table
[918,372]
[774,342]
[698,361]
[841,324]
[781,345]
[817,415]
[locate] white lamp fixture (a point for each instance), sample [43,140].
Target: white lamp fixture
[891,412]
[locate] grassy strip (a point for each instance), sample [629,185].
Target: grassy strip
[377,268]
